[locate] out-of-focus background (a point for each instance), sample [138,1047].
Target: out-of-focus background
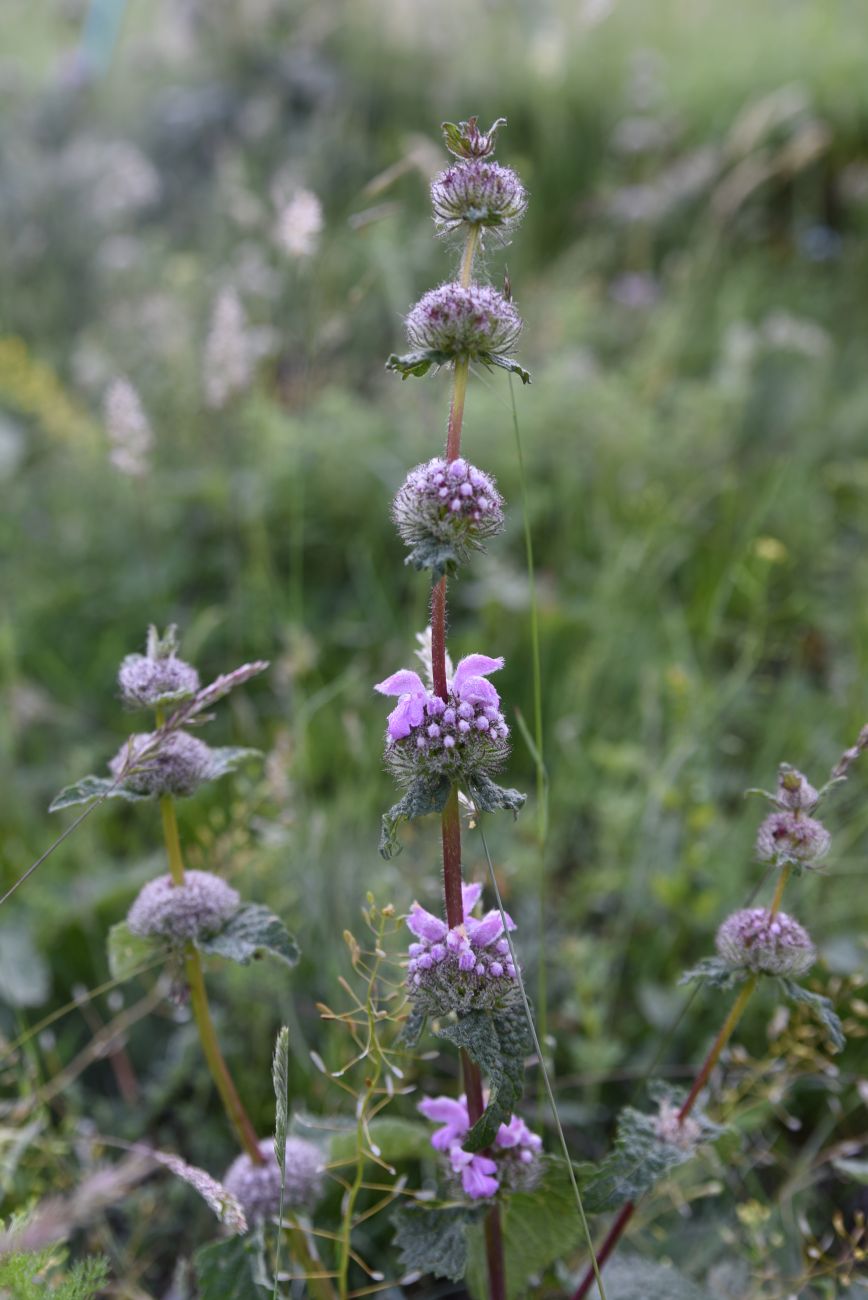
[213,216]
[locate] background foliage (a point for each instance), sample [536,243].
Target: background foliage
[692,275]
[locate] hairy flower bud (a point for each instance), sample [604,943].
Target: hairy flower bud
[464,323]
[465,140]
[257,1187]
[175,764]
[459,737]
[788,836]
[754,940]
[446,509]
[179,913]
[795,790]
[479,194]
[466,968]
[151,683]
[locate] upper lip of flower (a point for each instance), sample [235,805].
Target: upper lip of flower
[469,683]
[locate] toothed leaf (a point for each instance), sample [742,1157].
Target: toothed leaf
[434,1241]
[498,1042]
[250,932]
[822,1007]
[488,796]
[424,795]
[418,363]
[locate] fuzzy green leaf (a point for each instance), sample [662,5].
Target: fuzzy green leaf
[632,1278]
[128,952]
[418,363]
[227,759]
[90,788]
[433,1240]
[225,1270]
[431,554]
[414,1027]
[505,363]
[488,796]
[539,1227]
[640,1157]
[250,932]
[423,796]
[822,1007]
[498,1042]
[713,971]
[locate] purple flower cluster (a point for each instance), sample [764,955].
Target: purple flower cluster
[461,736]
[451,503]
[789,836]
[179,913]
[478,193]
[463,322]
[175,764]
[257,1187]
[755,940]
[466,968]
[147,683]
[513,1161]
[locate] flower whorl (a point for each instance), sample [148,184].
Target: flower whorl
[464,322]
[755,940]
[477,193]
[444,509]
[257,1186]
[179,913]
[150,765]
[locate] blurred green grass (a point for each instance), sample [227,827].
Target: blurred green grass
[696,461]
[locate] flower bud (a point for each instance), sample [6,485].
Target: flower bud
[175,764]
[178,913]
[479,194]
[754,940]
[467,141]
[788,836]
[450,505]
[794,790]
[257,1187]
[464,323]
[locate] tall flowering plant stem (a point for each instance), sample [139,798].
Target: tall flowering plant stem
[751,944]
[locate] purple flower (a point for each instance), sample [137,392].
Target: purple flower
[446,505]
[476,1172]
[458,737]
[479,194]
[150,683]
[178,913]
[257,1186]
[515,1148]
[754,940]
[464,322]
[790,836]
[176,764]
[465,968]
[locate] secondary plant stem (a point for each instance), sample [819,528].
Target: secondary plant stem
[199,1002]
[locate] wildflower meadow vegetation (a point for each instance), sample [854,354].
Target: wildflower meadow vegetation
[433,650]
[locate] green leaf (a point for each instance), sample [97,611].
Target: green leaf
[423,796]
[632,1278]
[225,1270]
[505,363]
[250,932]
[430,553]
[395,1139]
[433,1240]
[90,788]
[822,1007]
[224,760]
[418,363]
[128,952]
[857,1170]
[414,1027]
[498,1042]
[280,1079]
[640,1157]
[539,1227]
[713,971]
[488,796]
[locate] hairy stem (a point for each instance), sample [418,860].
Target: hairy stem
[779,890]
[199,1003]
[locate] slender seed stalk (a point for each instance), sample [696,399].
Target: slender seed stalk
[451,820]
[199,1001]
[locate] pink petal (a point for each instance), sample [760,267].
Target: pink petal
[403,682]
[476,690]
[475,1180]
[474,666]
[470,895]
[489,928]
[425,925]
[445,1110]
[407,714]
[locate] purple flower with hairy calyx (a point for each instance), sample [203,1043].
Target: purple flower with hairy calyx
[466,968]
[511,1162]
[459,737]
[755,940]
[460,322]
[445,509]
[479,194]
[257,1187]
[790,836]
[179,913]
